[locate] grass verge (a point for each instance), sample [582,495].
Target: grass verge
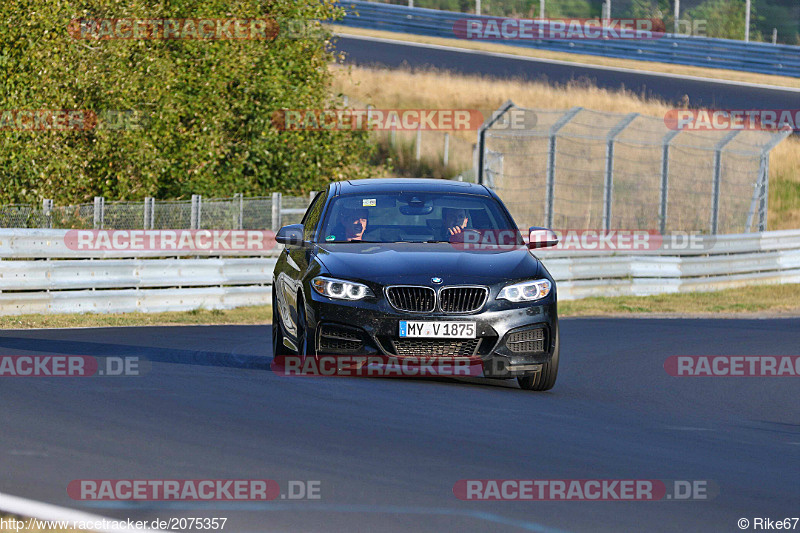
[651,66]
[241,315]
[763,300]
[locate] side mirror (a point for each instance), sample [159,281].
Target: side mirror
[291,235]
[542,237]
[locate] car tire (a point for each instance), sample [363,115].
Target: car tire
[278,348]
[305,338]
[545,379]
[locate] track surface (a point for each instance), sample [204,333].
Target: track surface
[388,451]
[701,92]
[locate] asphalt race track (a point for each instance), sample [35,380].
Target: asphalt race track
[702,92]
[388,451]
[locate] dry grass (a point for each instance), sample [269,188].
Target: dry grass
[775,300]
[664,68]
[242,315]
[445,90]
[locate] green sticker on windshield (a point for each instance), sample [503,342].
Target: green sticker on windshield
[330,238]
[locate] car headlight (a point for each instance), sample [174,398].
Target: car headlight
[340,289]
[527,291]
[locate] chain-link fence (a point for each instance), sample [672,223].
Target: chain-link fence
[587,169]
[258,212]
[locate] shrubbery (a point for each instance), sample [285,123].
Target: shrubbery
[203,107]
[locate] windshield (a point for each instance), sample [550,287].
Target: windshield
[411,217]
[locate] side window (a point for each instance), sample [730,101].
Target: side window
[311,218]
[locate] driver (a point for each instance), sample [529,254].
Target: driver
[354,222]
[454,220]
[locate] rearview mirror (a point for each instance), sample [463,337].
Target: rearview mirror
[291,235]
[542,237]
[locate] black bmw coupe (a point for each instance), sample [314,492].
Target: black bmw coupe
[417,268]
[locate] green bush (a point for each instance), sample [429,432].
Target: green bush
[205,106]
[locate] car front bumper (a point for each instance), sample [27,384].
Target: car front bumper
[372,328]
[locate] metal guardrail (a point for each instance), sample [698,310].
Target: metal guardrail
[40,273]
[707,52]
[83,285]
[731,261]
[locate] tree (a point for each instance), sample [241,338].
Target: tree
[203,108]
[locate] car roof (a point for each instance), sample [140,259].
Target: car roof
[379,185]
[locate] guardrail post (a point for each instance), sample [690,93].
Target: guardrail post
[716,184]
[446,156]
[551,164]
[239,199]
[482,138]
[276,211]
[149,212]
[99,212]
[609,181]
[47,210]
[197,205]
[662,205]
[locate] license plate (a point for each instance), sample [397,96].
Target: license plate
[437,330]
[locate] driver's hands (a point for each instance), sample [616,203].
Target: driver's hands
[455,230]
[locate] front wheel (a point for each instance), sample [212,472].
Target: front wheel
[545,379]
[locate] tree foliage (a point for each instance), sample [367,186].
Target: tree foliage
[207,105]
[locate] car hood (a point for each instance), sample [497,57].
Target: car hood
[417,263]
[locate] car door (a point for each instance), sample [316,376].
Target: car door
[294,264]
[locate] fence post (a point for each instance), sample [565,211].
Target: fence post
[239,199]
[482,137]
[47,209]
[715,186]
[762,185]
[99,212]
[276,211]
[609,181]
[662,209]
[551,164]
[446,156]
[149,212]
[197,205]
